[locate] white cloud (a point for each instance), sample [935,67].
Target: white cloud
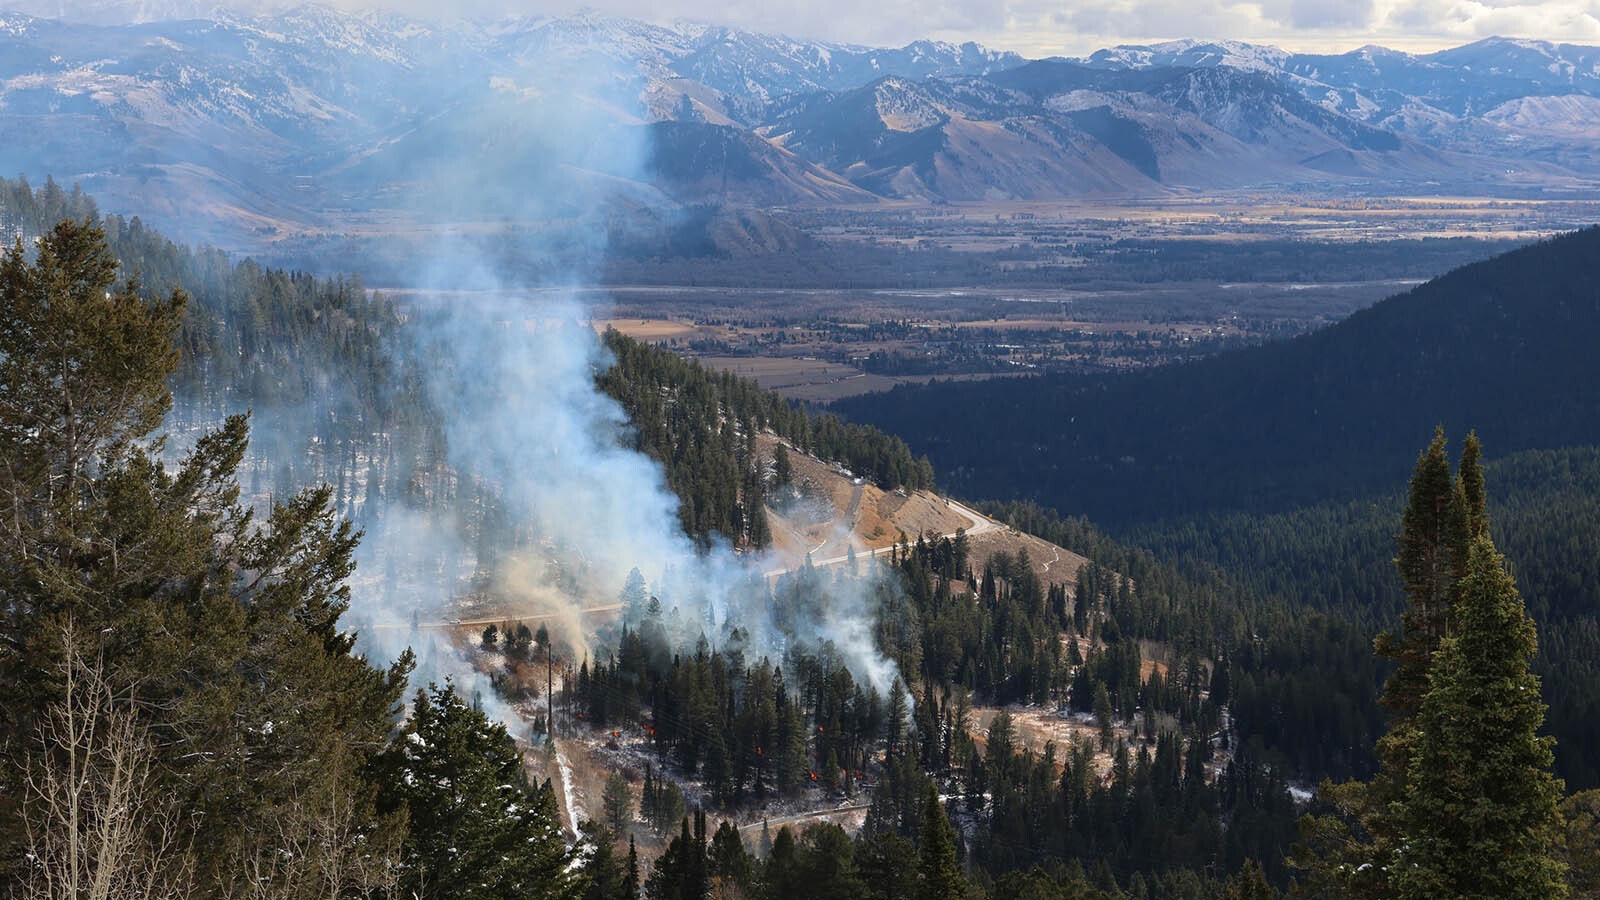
[1465,20]
[1048,27]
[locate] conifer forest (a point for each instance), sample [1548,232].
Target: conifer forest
[316,590]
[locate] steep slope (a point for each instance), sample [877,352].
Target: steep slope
[1504,347]
[1055,129]
[1451,99]
[936,140]
[237,129]
[256,125]
[724,163]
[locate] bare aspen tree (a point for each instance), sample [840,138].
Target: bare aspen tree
[95,828]
[325,847]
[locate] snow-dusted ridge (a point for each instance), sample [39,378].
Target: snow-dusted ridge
[300,116]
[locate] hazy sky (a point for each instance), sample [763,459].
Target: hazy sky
[1074,27]
[1052,27]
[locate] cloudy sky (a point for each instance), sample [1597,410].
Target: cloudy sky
[1075,27]
[1037,27]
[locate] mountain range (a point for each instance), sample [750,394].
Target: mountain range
[240,129]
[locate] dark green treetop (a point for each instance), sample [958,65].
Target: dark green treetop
[479,829]
[1480,814]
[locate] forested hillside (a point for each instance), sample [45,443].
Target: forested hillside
[1545,506]
[700,425]
[329,352]
[1281,466]
[1503,347]
[267,758]
[195,591]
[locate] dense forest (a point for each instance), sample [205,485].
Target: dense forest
[1280,465]
[186,715]
[1545,505]
[701,425]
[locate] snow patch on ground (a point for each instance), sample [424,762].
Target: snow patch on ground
[575,813]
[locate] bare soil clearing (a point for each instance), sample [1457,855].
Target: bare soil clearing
[870,520]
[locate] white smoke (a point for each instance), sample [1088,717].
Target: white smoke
[513,376]
[509,359]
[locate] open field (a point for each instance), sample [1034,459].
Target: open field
[817,346]
[979,226]
[805,379]
[652,331]
[902,292]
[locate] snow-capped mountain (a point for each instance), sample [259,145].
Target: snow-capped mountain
[288,118]
[126,12]
[236,128]
[1447,99]
[1190,54]
[1056,129]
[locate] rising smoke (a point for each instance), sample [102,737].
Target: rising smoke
[566,509]
[513,376]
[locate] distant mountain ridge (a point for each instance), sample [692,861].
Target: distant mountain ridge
[1454,99]
[239,129]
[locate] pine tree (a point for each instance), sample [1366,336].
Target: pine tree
[681,872]
[781,874]
[938,871]
[1582,814]
[1480,812]
[895,729]
[1432,549]
[730,863]
[827,863]
[221,629]
[617,801]
[606,873]
[1461,766]
[1352,854]
[479,830]
[630,882]
[83,370]
[1249,883]
[887,864]
[782,468]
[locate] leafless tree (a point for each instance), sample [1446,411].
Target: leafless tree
[95,827]
[326,847]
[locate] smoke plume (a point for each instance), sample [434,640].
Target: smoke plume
[528,503]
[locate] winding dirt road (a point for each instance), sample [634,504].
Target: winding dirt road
[977,523]
[481,621]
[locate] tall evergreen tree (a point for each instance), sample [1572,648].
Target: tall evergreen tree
[895,729]
[1430,543]
[781,875]
[887,864]
[616,799]
[1480,813]
[221,630]
[607,873]
[479,829]
[682,872]
[730,864]
[1456,684]
[938,870]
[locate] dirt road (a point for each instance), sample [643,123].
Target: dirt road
[978,523]
[482,621]
[774,824]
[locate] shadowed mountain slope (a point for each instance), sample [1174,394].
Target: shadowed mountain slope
[1504,346]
